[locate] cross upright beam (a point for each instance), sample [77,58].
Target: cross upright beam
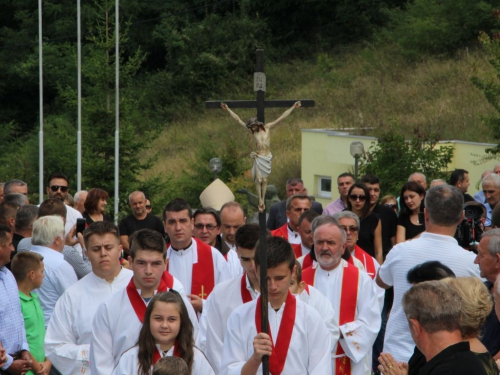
[261,104]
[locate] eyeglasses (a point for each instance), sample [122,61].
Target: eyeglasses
[350,229]
[55,188]
[208,226]
[390,205]
[148,206]
[355,197]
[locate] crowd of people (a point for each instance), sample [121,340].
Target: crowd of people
[367,285]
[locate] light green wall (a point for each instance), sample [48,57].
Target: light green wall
[326,153]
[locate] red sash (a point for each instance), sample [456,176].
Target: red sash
[157,355]
[203,280]
[307,262]
[283,232]
[280,350]
[245,294]
[348,303]
[367,261]
[166,283]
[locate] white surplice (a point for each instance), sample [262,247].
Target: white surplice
[116,328]
[67,341]
[321,304]
[223,300]
[310,345]
[129,363]
[359,335]
[234,264]
[180,265]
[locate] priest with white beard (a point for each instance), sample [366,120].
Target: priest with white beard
[67,341]
[118,320]
[351,294]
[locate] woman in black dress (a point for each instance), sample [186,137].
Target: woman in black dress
[411,202]
[370,232]
[95,206]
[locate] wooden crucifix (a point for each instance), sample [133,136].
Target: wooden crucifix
[262,163]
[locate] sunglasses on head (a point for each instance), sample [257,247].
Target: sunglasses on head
[355,197]
[55,188]
[390,205]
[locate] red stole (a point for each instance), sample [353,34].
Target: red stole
[366,259]
[157,355]
[348,304]
[166,283]
[203,276]
[307,262]
[283,232]
[245,294]
[280,350]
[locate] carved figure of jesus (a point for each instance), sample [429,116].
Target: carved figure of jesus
[262,158]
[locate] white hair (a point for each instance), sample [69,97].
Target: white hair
[417,174]
[492,179]
[78,195]
[46,229]
[136,192]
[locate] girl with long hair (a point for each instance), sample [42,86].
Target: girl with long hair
[411,201]
[166,331]
[370,231]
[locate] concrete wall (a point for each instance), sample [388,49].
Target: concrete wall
[325,153]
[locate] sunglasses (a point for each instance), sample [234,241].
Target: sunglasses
[350,229]
[355,197]
[148,206]
[55,188]
[208,226]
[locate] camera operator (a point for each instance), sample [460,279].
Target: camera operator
[470,230]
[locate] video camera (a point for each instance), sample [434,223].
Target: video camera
[470,230]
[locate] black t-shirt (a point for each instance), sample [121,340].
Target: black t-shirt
[130,225]
[89,220]
[412,230]
[389,221]
[454,360]
[366,234]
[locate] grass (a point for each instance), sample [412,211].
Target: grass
[359,88]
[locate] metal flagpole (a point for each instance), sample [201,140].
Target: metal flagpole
[79,75]
[40,66]
[117,108]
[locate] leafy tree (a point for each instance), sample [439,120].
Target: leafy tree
[437,27]
[394,158]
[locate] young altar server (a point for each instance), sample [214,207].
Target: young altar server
[198,266]
[351,293]
[119,319]
[298,342]
[68,337]
[228,295]
[167,331]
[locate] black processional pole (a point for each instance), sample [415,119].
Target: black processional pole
[259,83]
[261,103]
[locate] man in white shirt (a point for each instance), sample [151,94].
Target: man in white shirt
[118,320]
[58,188]
[67,341]
[48,241]
[443,212]
[198,266]
[302,344]
[228,295]
[232,217]
[352,295]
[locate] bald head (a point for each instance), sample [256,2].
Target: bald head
[137,202]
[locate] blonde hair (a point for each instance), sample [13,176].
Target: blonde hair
[476,303]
